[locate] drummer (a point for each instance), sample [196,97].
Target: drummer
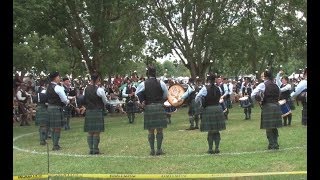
[285,90]
[246,89]
[169,83]
[194,108]
[270,110]
[213,119]
[154,93]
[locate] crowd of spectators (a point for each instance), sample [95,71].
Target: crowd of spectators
[112,87]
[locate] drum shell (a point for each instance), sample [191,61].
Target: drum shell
[244,102]
[284,107]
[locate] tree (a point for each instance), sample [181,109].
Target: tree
[104,33]
[235,35]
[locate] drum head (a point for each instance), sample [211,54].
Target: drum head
[282,101]
[243,98]
[167,104]
[174,92]
[221,100]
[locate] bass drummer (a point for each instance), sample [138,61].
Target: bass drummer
[246,89]
[285,90]
[194,109]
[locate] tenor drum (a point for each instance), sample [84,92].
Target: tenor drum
[244,102]
[174,92]
[168,108]
[285,109]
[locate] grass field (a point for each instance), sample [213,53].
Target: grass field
[126,150]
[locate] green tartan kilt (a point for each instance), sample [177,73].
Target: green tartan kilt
[194,108]
[94,120]
[213,119]
[67,111]
[304,113]
[41,115]
[154,116]
[56,117]
[271,116]
[131,107]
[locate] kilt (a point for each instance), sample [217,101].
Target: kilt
[213,119]
[22,108]
[94,120]
[67,111]
[194,108]
[290,104]
[56,117]
[304,113]
[131,107]
[154,116]
[41,115]
[271,116]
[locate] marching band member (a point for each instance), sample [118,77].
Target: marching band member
[131,105]
[22,97]
[270,112]
[67,109]
[56,100]
[285,89]
[213,119]
[95,101]
[154,94]
[41,112]
[246,89]
[226,93]
[300,93]
[193,111]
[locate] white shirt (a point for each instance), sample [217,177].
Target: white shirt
[19,96]
[279,83]
[300,87]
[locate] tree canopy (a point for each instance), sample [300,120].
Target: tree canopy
[228,37]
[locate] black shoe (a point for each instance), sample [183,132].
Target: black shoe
[152,152]
[210,151]
[97,153]
[216,151]
[91,152]
[43,143]
[191,128]
[159,152]
[196,127]
[56,148]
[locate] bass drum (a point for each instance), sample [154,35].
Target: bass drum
[174,92]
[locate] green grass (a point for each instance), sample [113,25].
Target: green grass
[126,149]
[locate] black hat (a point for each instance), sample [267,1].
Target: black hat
[211,77]
[267,74]
[65,78]
[54,74]
[151,71]
[94,76]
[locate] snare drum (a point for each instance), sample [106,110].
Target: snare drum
[168,108]
[285,109]
[244,102]
[223,105]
